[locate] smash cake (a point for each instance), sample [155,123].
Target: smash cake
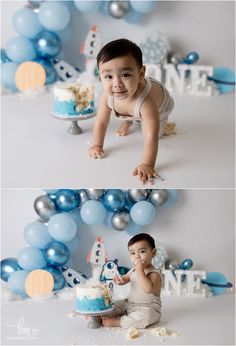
[74,100]
[93,298]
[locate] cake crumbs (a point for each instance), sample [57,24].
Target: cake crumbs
[162,331]
[132,333]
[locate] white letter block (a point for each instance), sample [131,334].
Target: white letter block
[173,79]
[199,80]
[154,71]
[172,282]
[193,283]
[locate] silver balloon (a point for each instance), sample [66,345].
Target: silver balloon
[44,207]
[138,194]
[95,193]
[120,221]
[118,9]
[158,197]
[171,265]
[83,196]
[174,58]
[34,5]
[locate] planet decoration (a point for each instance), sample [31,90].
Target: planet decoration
[217,282]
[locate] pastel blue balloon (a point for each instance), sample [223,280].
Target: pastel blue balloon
[51,73]
[114,200]
[59,280]
[143,213]
[87,6]
[107,220]
[26,23]
[56,253]
[62,227]
[20,49]
[93,212]
[172,198]
[104,8]
[47,44]
[215,278]
[36,234]
[8,75]
[133,17]
[30,258]
[75,214]
[73,244]
[67,200]
[16,282]
[8,266]
[186,264]
[133,229]
[222,76]
[54,16]
[65,34]
[143,6]
[4,57]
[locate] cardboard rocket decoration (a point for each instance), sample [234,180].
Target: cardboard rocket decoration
[92,43]
[73,277]
[109,270]
[97,256]
[65,71]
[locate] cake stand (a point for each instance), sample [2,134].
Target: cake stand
[96,317]
[74,128]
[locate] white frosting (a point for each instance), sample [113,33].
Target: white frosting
[62,92]
[89,292]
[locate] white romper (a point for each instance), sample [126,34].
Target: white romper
[140,309]
[164,110]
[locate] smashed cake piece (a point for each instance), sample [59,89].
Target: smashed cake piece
[162,331]
[132,333]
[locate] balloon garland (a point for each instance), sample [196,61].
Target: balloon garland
[54,236]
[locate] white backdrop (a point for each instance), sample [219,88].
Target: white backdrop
[203,26]
[200,226]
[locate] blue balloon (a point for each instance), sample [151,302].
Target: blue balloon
[190,58]
[26,23]
[104,8]
[87,6]
[114,200]
[4,57]
[59,280]
[143,6]
[133,229]
[51,73]
[56,253]
[54,16]
[214,279]
[133,17]
[36,234]
[30,258]
[128,201]
[93,212]
[8,266]
[72,244]
[224,79]
[8,75]
[16,282]
[20,49]
[107,220]
[62,227]
[65,34]
[75,214]
[186,264]
[47,44]
[67,200]
[51,191]
[143,213]
[172,198]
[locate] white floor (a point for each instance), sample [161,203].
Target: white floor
[38,152]
[199,321]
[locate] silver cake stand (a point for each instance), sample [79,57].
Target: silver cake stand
[96,317]
[74,128]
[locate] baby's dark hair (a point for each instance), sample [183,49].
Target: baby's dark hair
[118,48]
[140,237]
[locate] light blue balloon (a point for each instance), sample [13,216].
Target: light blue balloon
[143,213]
[65,34]
[8,75]
[133,17]
[87,6]
[16,282]
[59,280]
[133,229]
[144,6]
[30,258]
[4,57]
[54,16]
[47,44]
[36,234]
[107,220]
[8,266]
[20,49]
[62,227]
[172,198]
[114,200]
[67,200]
[93,212]
[51,73]
[51,191]
[73,244]
[104,8]
[75,214]
[26,23]
[56,253]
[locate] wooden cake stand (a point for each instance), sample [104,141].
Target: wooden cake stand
[96,317]
[74,128]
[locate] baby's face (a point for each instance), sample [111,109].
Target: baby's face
[121,77]
[141,251]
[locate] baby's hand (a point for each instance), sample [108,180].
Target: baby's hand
[118,280]
[145,173]
[96,152]
[139,265]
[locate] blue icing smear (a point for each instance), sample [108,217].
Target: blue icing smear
[86,305]
[69,108]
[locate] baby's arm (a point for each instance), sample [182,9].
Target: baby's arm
[150,126]
[122,279]
[100,127]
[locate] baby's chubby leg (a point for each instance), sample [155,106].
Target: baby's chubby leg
[123,130]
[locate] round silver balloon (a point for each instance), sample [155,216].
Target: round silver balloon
[44,207]
[83,196]
[171,265]
[138,194]
[34,5]
[118,9]
[174,58]
[95,193]
[158,197]
[120,221]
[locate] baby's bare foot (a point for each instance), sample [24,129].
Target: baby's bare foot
[123,130]
[111,322]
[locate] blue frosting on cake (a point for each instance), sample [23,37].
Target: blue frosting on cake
[88,305]
[69,108]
